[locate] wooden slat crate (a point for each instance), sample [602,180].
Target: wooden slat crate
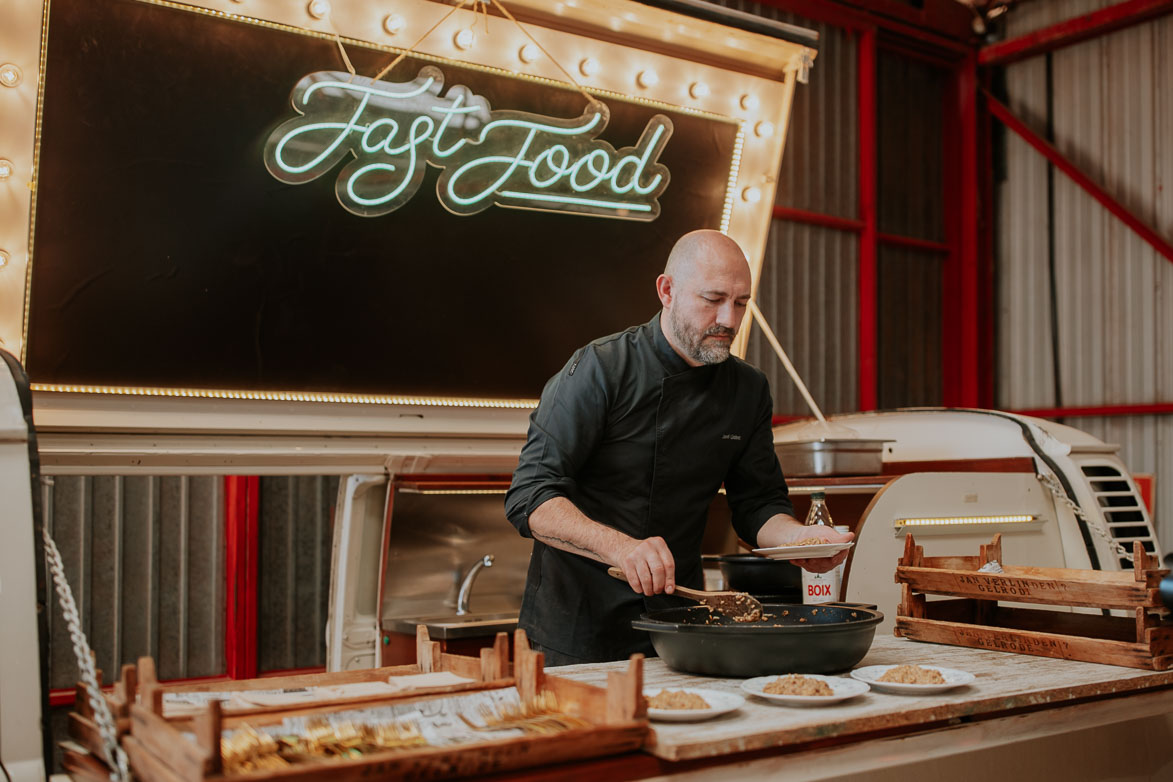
[604,721]
[975,618]
[491,666]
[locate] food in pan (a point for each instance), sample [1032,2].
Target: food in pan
[793,684]
[677,699]
[912,674]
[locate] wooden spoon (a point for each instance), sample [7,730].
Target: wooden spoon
[738,606]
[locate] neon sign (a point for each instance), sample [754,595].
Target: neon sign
[508,158]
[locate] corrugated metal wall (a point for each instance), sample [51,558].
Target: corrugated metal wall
[296,515]
[145,559]
[1113,116]
[809,287]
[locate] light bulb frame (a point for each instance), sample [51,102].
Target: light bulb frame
[318,9]
[464,39]
[393,24]
[11,75]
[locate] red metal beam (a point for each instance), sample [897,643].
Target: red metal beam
[912,243]
[1095,411]
[857,19]
[986,228]
[242,549]
[1072,31]
[868,289]
[815,218]
[1159,243]
[964,94]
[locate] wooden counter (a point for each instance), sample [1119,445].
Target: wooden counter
[1014,698]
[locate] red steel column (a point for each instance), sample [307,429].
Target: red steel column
[968,256]
[868,363]
[242,549]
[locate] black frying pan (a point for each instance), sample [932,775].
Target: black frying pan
[795,638]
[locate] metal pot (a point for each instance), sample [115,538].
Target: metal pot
[793,638]
[760,576]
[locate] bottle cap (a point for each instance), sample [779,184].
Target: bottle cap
[818,495]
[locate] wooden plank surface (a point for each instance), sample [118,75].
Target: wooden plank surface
[1005,682]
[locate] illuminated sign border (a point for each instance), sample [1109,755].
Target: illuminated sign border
[324,396]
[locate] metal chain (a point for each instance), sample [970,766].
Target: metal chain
[1056,488]
[115,757]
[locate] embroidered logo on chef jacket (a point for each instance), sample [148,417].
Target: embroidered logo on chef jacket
[730,437]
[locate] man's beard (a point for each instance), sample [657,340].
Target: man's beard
[694,344]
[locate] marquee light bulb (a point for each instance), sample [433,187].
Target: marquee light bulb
[764,129]
[393,23]
[528,53]
[6,169]
[647,78]
[750,102]
[318,9]
[751,195]
[465,39]
[589,66]
[698,90]
[10,75]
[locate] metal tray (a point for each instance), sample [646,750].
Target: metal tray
[831,457]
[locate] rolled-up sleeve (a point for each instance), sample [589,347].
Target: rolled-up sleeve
[755,486]
[563,432]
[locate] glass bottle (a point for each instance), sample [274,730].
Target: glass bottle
[821,587]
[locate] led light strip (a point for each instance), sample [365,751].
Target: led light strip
[288,396]
[952,521]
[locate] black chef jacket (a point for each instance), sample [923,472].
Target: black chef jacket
[639,440]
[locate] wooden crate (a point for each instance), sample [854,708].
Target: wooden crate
[159,750]
[491,666]
[1144,639]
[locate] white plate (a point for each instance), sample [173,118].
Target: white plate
[813,551]
[872,673]
[842,688]
[719,703]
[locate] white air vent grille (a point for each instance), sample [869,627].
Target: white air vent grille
[1122,507]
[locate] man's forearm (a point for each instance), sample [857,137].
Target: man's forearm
[559,523]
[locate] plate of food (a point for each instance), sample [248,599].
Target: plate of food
[807,689]
[912,679]
[689,704]
[815,550]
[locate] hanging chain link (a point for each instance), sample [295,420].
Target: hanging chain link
[114,756]
[1056,488]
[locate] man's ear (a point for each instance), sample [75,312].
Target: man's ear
[664,290]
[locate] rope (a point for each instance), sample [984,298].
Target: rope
[420,40]
[482,7]
[114,756]
[590,98]
[1056,489]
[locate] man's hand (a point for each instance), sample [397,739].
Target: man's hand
[783,530]
[649,566]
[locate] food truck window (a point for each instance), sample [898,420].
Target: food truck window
[166,255]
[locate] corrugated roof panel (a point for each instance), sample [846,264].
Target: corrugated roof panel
[810,299]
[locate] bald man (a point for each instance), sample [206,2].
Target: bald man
[628,447]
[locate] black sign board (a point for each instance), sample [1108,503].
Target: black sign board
[166,255]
